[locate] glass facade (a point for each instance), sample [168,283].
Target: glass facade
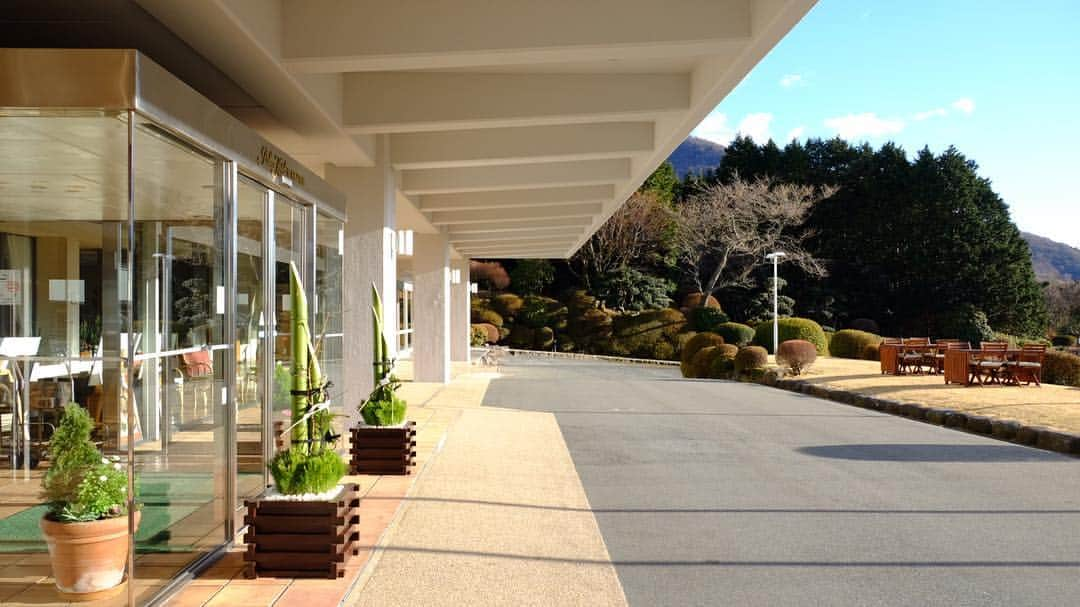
[137,265]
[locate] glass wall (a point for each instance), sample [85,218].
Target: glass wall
[405,317]
[151,309]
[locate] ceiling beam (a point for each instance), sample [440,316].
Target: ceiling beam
[513,246]
[524,225]
[395,102]
[366,35]
[523,237]
[514,145]
[517,176]
[508,199]
[588,209]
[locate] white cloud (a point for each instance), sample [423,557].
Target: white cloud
[867,124]
[756,126]
[795,133]
[937,112]
[715,128]
[790,80]
[964,104]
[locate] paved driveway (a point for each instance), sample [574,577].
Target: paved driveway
[717,493]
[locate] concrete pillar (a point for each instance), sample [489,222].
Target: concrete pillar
[460,312]
[431,315]
[370,258]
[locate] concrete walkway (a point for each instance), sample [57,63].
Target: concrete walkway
[499,517]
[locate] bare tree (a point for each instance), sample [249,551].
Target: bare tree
[627,238]
[726,230]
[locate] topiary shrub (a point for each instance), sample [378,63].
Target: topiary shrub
[705,319]
[681,340]
[590,329]
[486,316]
[297,473]
[521,337]
[1061,368]
[871,352]
[1063,341]
[735,333]
[537,311]
[749,358]
[796,355]
[491,333]
[507,305]
[722,362]
[850,343]
[791,328]
[864,324]
[693,300]
[638,334]
[477,335]
[691,348]
[664,350]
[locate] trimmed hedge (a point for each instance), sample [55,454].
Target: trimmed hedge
[850,343]
[693,300]
[486,316]
[791,328]
[1061,368]
[722,362]
[507,304]
[706,319]
[691,348]
[735,333]
[491,332]
[872,352]
[751,357]
[796,355]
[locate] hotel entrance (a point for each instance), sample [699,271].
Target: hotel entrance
[145,241]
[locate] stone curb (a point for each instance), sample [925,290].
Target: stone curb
[1002,429]
[577,356]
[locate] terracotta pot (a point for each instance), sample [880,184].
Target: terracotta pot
[88,559]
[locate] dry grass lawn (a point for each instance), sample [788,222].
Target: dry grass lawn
[1049,405]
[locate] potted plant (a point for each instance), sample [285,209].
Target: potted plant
[86,524]
[306,524]
[385,442]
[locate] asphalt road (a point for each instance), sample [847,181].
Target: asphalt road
[717,493]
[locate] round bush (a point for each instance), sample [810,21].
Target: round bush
[722,362]
[735,333]
[488,332]
[850,343]
[871,352]
[1063,341]
[1061,368]
[681,340]
[751,357]
[507,304]
[521,337]
[706,319]
[663,350]
[864,324]
[693,300]
[791,328]
[690,349]
[486,316]
[796,355]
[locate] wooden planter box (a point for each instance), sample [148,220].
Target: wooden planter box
[383,450]
[302,539]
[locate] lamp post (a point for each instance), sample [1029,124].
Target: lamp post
[775,259]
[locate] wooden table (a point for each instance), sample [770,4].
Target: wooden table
[958,364]
[890,355]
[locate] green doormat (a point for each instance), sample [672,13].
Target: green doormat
[166,499]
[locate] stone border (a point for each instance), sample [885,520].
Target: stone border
[1013,431]
[577,356]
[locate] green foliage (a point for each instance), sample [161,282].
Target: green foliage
[700,363]
[627,288]
[691,348]
[532,276]
[537,311]
[486,316]
[706,319]
[664,350]
[383,407]
[640,335]
[796,355]
[1063,341]
[663,183]
[722,362]
[693,300]
[1061,368]
[295,472]
[871,352]
[750,358]
[521,337]
[282,385]
[791,328]
[484,333]
[81,484]
[966,324]
[735,333]
[850,343]
[506,305]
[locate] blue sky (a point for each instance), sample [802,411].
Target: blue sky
[998,79]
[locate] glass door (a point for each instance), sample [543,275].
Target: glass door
[291,225]
[252,253]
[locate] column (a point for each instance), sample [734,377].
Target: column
[460,312]
[431,315]
[369,259]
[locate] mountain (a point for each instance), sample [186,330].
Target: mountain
[1053,260]
[696,155]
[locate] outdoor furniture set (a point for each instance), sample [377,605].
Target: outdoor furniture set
[990,363]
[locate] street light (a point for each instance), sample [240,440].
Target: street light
[775,259]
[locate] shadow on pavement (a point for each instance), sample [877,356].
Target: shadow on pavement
[932,453]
